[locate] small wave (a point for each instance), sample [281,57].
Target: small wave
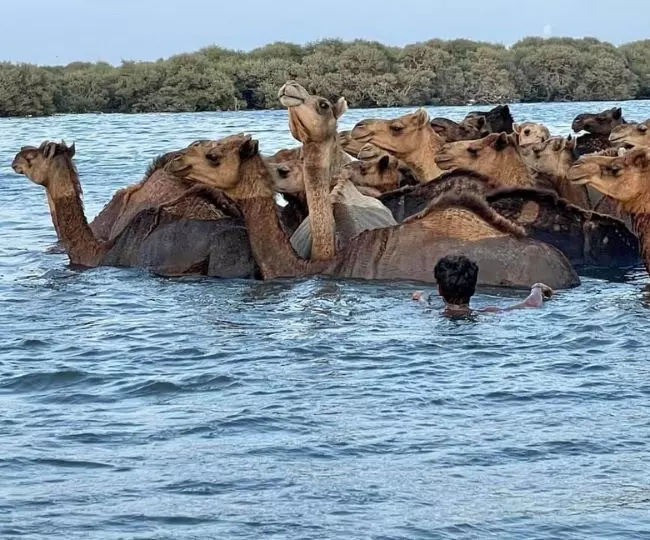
[44,380]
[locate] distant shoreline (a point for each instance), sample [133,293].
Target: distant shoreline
[368,74]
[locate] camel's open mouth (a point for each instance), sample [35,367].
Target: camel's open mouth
[292,95]
[18,168]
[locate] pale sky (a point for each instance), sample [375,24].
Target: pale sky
[62,31]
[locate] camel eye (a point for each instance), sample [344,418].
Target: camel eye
[283,172]
[526,131]
[472,151]
[396,129]
[214,159]
[324,105]
[643,128]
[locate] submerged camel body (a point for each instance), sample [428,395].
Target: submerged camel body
[162,240]
[408,251]
[586,238]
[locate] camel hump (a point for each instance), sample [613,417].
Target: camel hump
[470,203]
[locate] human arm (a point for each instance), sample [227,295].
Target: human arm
[538,293]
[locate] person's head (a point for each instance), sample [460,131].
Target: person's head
[456,276]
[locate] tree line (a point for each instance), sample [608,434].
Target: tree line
[367,73]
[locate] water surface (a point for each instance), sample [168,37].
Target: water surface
[133,406]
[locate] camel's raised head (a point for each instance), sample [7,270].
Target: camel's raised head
[214,163]
[400,136]
[531,133]
[625,178]
[37,164]
[631,135]
[599,123]
[451,131]
[481,155]
[311,118]
[554,156]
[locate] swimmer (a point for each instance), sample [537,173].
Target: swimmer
[457,276]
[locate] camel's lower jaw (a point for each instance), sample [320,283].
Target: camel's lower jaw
[579,180]
[361,137]
[290,101]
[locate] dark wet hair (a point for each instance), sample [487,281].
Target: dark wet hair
[456,276]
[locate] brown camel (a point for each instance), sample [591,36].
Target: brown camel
[625,178]
[451,131]
[199,232]
[549,163]
[451,224]
[410,138]
[496,156]
[531,133]
[349,145]
[598,127]
[312,121]
[497,120]
[631,135]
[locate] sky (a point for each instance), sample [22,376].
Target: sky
[63,31]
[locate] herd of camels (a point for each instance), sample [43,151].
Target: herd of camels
[526,206]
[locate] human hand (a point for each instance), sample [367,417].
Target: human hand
[417,296]
[546,291]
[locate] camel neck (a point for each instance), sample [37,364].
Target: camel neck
[423,160]
[642,227]
[512,170]
[317,174]
[68,216]
[269,242]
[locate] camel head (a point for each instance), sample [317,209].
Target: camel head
[451,131]
[288,177]
[631,135]
[531,133]
[625,178]
[378,175]
[311,118]
[497,120]
[400,137]
[349,145]
[486,155]
[553,157]
[599,124]
[39,164]
[217,164]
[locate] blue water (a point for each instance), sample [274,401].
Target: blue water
[136,407]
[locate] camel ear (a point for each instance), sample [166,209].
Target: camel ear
[641,160]
[438,128]
[501,142]
[516,128]
[384,162]
[72,150]
[570,143]
[481,122]
[617,113]
[421,117]
[249,149]
[340,107]
[557,145]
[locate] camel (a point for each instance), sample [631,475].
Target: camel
[531,133]
[497,120]
[585,237]
[349,145]
[200,232]
[451,131]
[496,156]
[598,127]
[631,135]
[625,178]
[452,224]
[410,138]
[549,163]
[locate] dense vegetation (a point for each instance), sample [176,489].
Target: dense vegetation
[368,74]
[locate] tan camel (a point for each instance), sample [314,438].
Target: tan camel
[625,178]
[410,138]
[199,232]
[496,156]
[452,224]
[531,133]
[631,135]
